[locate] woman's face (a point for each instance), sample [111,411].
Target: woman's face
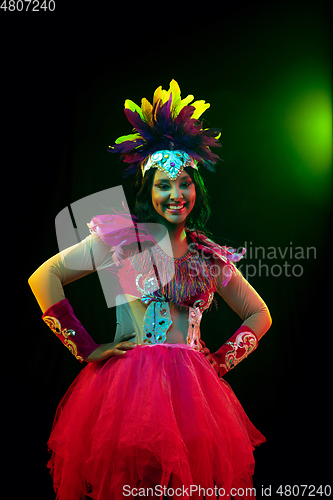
[173,200]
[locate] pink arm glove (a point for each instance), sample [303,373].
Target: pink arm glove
[62,321]
[238,347]
[250,307]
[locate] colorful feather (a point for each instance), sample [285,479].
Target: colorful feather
[169,123]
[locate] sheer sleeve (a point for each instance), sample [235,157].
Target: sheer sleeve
[245,301]
[47,281]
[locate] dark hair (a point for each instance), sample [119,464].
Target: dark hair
[145,211]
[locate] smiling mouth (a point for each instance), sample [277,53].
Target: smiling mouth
[175,208]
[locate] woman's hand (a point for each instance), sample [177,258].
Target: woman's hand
[213,362]
[203,349]
[210,357]
[116,348]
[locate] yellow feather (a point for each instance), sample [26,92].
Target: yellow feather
[216,137]
[133,107]
[200,107]
[177,103]
[175,90]
[165,96]
[157,94]
[182,104]
[160,95]
[187,100]
[147,110]
[129,137]
[174,87]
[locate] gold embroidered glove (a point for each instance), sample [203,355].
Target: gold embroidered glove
[62,321]
[238,347]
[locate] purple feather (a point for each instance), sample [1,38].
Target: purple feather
[183,132]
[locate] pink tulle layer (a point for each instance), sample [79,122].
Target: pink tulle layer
[158,416]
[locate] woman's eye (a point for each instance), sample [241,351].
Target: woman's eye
[165,187]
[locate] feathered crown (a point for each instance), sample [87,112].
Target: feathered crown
[170,123]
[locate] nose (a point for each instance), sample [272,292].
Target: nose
[176,193]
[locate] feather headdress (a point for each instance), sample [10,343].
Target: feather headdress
[170,123]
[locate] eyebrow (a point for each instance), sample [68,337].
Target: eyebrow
[185,178]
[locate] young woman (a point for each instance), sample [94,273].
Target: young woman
[150,415]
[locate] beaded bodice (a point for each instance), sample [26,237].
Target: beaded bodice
[161,281]
[186,282]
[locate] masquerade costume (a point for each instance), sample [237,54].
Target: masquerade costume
[159,416]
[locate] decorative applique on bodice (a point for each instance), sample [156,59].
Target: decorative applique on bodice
[191,287]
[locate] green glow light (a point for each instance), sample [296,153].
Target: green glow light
[309,127]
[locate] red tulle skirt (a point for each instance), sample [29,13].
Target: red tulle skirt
[157,421]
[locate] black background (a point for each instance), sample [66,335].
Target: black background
[65,76]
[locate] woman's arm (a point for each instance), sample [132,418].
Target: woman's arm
[47,285]
[250,307]
[246,302]
[69,265]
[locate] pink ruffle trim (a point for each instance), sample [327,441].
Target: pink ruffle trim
[118,229]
